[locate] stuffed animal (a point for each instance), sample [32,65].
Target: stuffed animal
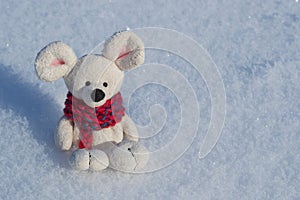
[95,126]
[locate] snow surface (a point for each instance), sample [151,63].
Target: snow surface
[255,45]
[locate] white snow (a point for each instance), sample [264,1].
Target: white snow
[255,45]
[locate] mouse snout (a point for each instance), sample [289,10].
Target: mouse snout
[97,95]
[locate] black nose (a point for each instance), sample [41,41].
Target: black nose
[97,95]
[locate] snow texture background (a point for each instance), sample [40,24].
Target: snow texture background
[256,46]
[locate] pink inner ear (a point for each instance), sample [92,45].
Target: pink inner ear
[57,62]
[123,54]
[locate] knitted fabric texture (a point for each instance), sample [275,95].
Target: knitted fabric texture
[88,119]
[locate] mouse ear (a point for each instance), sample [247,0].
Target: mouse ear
[126,49]
[54,61]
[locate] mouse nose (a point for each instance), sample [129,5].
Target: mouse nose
[97,95]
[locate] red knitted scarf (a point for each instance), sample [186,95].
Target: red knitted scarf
[88,119]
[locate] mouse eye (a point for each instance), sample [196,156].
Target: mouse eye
[87,83]
[105,84]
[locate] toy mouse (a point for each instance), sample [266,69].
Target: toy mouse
[95,126]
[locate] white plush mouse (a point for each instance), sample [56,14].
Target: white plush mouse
[95,124]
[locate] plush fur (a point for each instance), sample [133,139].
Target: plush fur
[123,51]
